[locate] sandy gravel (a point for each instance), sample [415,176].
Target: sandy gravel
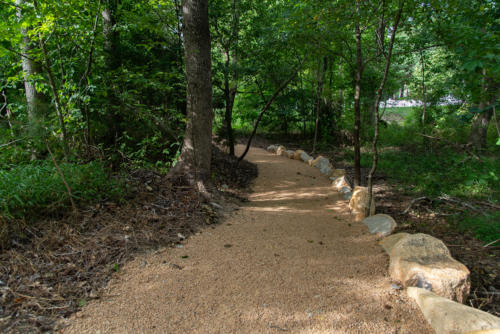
[291,260]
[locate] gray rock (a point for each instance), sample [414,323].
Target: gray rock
[305,157]
[348,195]
[380,224]
[272,148]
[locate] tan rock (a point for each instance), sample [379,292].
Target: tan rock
[320,161]
[340,183]
[486,331]
[310,161]
[280,150]
[448,317]
[359,203]
[298,154]
[388,242]
[338,173]
[423,261]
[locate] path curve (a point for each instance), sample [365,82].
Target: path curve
[291,260]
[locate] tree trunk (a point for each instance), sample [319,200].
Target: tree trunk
[268,104]
[377,105]
[357,103]
[481,121]
[194,161]
[112,60]
[322,67]
[479,128]
[35,101]
[424,100]
[230,95]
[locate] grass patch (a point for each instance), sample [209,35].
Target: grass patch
[34,189]
[484,227]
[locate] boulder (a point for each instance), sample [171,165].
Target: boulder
[289,154]
[297,154]
[326,170]
[423,261]
[310,162]
[305,157]
[389,242]
[359,203]
[280,150]
[380,224]
[448,317]
[272,148]
[321,162]
[348,195]
[340,183]
[338,173]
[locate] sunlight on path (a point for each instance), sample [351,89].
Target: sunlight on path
[291,260]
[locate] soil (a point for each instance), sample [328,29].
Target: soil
[58,264]
[289,260]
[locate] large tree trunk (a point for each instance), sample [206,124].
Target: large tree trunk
[35,101]
[357,103]
[194,161]
[112,60]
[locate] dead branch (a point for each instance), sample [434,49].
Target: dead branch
[413,202]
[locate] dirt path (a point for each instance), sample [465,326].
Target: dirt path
[290,261]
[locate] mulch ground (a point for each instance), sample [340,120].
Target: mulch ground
[66,261]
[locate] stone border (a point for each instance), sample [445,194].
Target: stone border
[408,254]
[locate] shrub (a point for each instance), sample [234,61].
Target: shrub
[34,189]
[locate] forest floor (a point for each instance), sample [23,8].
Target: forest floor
[58,264]
[291,259]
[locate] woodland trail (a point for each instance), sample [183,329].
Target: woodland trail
[291,260]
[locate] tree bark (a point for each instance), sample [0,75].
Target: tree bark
[112,60]
[194,161]
[357,102]
[424,111]
[377,105]
[322,67]
[479,128]
[35,101]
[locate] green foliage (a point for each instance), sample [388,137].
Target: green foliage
[484,226]
[34,189]
[442,171]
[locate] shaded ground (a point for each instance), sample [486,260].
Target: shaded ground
[290,260]
[68,260]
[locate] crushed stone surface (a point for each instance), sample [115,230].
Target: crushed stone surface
[291,260]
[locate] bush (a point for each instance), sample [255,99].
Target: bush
[35,189]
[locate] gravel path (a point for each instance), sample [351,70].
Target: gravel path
[289,261]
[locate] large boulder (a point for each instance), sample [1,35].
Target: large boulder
[280,150]
[296,155]
[305,157]
[340,183]
[423,261]
[380,224]
[272,148]
[448,317]
[359,203]
[389,242]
